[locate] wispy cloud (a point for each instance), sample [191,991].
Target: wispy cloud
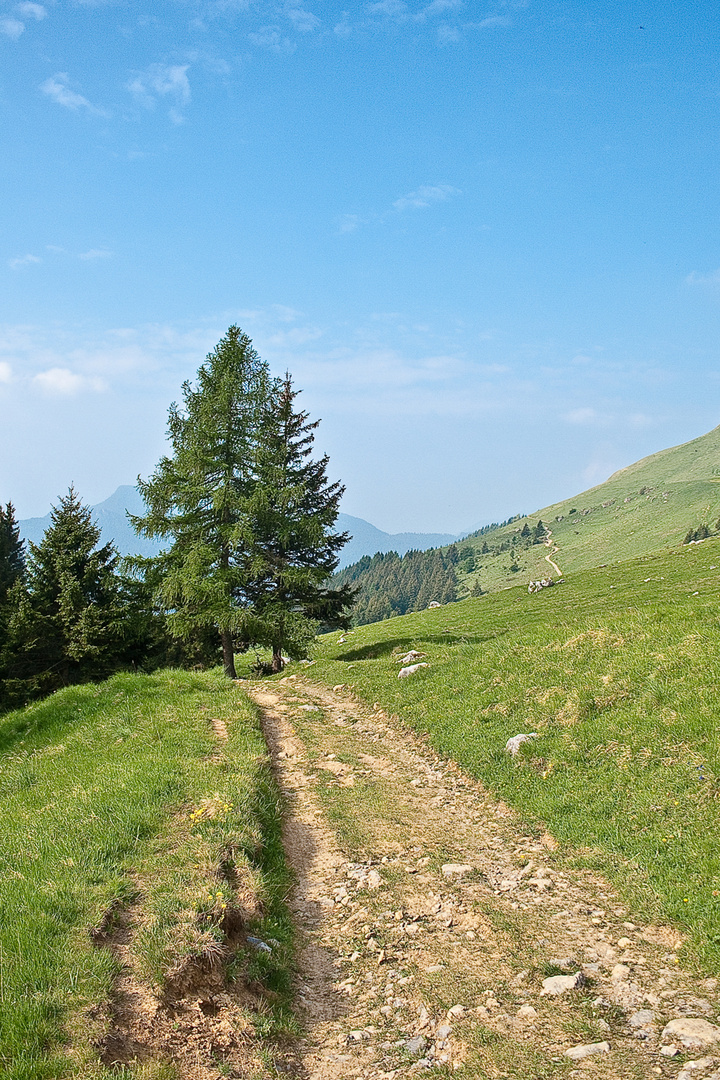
[709,280]
[581,416]
[163,81]
[32,11]
[304,21]
[11,27]
[58,89]
[24,260]
[419,199]
[63,382]
[425,196]
[5,372]
[95,253]
[272,38]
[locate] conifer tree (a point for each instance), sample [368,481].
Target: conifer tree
[293,510]
[12,563]
[198,498]
[67,624]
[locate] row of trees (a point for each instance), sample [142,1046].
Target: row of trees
[246,517]
[389,585]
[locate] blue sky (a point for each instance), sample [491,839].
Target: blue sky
[483,237]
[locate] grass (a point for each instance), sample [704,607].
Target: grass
[117,792]
[618,671]
[646,507]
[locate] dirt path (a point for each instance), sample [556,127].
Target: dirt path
[429,919]
[554,551]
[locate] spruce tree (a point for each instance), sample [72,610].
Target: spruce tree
[12,564]
[293,510]
[198,498]
[67,627]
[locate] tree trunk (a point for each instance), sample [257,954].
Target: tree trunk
[277,661]
[228,654]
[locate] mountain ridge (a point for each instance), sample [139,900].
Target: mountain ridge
[111,517]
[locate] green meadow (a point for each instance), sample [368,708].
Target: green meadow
[118,795]
[618,671]
[648,506]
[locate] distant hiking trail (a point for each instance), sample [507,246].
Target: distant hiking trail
[548,558]
[428,917]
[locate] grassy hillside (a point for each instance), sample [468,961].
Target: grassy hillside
[646,507]
[618,671]
[125,806]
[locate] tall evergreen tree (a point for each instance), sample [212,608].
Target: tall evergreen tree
[67,624]
[12,564]
[12,551]
[293,510]
[198,497]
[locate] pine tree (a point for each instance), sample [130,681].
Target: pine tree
[295,551]
[67,626]
[12,563]
[197,498]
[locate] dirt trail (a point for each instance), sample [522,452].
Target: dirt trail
[554,550]
[429,919]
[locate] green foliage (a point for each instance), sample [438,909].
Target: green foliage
[198,497]
[247,513]
[389,585]
[292,511]
[693,535]
[618,670]
[65,626]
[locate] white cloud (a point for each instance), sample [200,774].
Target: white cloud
[163,81]
[425,196]
[438,7]
[24,260]
[581,416]
[270,37]
[709,281]
[493,20]
[12,28]
[95,253]
[5,372]
[449,35]
[396,9]
[57,88]
[65,383]
[32,11]
[303,21]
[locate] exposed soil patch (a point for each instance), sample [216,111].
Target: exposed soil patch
[431,921]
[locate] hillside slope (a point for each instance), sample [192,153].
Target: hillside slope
[617,672]
[645,507]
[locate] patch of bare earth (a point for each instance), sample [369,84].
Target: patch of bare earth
[199,1022]
[429,920]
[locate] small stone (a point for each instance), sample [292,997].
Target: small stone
[443,1031]
[415,1046]
[624,943]
[641,1018]
[455,1012]
[526,1012]
[385,1010]
[434,968]
[670,1051]
[579,1053]
[559,984]
[450,870]
[619,973]
[357,1035]
[691,1031]
[374,881]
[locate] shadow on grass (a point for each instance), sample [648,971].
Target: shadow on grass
[385,648]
